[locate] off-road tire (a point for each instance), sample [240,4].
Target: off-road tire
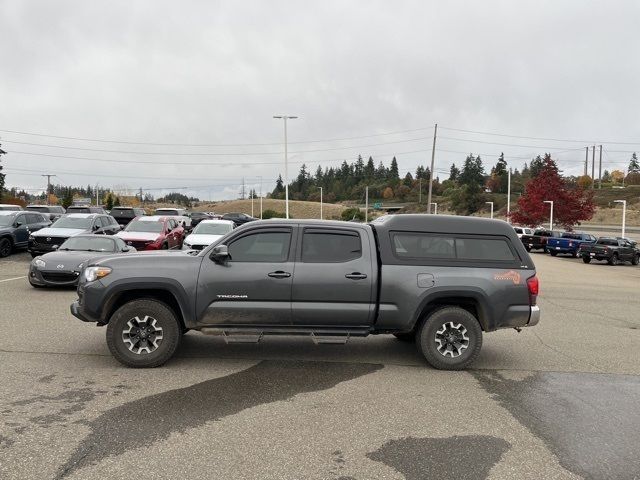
[405,336]
[586,259]
[427,345]
[613,259]
[5,247]
[165,319]
[635,260]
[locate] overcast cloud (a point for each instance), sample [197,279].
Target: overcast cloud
[216,72]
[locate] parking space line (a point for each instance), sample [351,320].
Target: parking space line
[10,279]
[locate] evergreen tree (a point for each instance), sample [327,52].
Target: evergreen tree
[68,198]
[109,201]
[394,174]
[634,166]
[469,198]
[408,180]
[116,202]
[454,173]
[536,166]
[381,172]
[369,169]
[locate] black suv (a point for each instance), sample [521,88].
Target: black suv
[15,228]
[53,212]
[239,218]
[85,209]
[197,217]
[124,215]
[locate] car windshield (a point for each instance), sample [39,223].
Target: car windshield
[89,244]
[6,220]
[9,208]
[83,223]
[39,209]
[149,227]
[212,229]
[167,211]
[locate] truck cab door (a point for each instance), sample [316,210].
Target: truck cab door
[333,283]
[252,286]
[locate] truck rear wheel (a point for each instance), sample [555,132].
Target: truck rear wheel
[586,259]
[613,259]
[450,338]
[635,260]
[143,333]
[553,253]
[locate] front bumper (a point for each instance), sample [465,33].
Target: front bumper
[78,312]
[53,278]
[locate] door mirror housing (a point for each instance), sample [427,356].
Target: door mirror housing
[95,227]
[220,253]
[18,224]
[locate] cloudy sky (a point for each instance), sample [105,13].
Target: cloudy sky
[187,90]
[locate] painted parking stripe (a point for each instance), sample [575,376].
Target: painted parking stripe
[10,279]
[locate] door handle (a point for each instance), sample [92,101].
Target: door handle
[279,274]
[356,276]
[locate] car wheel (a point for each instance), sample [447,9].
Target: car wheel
[635,260]
[613,260]
[586,259]
[553,253]
[405,337]
[143,333]
[5,247]
[527,248]
[545,251]
[450,338]
[165,246]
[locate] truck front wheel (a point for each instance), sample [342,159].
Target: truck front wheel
[143,333]
[450,338]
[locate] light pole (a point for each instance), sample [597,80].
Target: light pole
[435,207]
[286,161]
[490,203]
[550,202]
[509,196]
[624,214]
[260,177]
[320,202]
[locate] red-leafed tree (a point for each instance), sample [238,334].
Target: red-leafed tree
[570,205]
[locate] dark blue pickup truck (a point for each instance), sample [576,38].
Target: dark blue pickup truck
[568,243]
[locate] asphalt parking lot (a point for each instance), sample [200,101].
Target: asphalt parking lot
[556,401]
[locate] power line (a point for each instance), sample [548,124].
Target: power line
[538,138]
[213,144]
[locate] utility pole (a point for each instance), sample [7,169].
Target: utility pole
[509,196]
[419,191]
[260,197]
[433,156]
[366,204]
[600,170]
[490,203]
[48,175]
[97,196]
[593,169]
[586,161]
[320,202]
[286,161]
[242,190]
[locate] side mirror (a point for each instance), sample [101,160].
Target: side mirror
[126,249]
[18,224]
[220,253]
[96,227]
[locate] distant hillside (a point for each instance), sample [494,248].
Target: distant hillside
[297,209]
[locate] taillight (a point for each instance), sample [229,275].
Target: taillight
[534,287]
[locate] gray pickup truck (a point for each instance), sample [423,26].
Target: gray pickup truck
[437,280]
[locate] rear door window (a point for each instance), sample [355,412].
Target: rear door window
[327,246]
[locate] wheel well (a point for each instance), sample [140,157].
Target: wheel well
[471,305]
[163,296]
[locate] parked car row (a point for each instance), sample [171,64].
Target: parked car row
[613,250]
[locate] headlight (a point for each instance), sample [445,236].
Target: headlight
[94,273]
[39,263]
[186,244]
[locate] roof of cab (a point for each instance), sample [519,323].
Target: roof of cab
[443,224]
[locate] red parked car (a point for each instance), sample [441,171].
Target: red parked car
[153,233]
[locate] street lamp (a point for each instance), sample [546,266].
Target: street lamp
[490,203]
[320,202]
[260,177]
[550,202]
[286,161]
[624,214]
[435,207]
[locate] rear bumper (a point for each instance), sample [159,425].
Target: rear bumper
[534,316]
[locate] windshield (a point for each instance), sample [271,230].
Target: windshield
[212,229]
[9,208]
[95,244]
[83,223]
[39,209]
[6,220]
[150,227]
[167,211]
